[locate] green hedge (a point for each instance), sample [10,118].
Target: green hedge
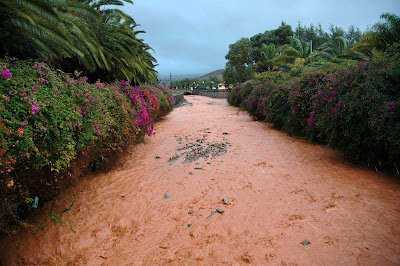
[53,126]
[355,110]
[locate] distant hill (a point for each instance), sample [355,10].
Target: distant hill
[175,77]
[217,73]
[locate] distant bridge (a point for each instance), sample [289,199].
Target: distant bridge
[221,94]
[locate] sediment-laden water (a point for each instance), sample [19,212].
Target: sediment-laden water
[213,187]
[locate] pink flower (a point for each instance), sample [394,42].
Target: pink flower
[124,83]
[311,119]
[6,74]
[35,109]
[42,80]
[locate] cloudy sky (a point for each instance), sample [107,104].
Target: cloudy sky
[193,36]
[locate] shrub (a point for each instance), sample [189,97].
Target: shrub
[272,76]
[237,95]
[355,110]
[50,120]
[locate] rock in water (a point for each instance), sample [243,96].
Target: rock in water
[167,196]
[305,242]
[225,201]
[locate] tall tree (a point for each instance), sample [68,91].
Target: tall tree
[382,36]
[276,37]
[239,67]
[313,34]
[353,35]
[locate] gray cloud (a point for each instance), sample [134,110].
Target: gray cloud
[191,37]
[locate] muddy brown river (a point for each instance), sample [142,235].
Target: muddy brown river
[215,187]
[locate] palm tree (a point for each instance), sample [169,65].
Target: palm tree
[29,27]
[293,50]
[268,52]
[382,35]
[128,55]
[336,48]
[80,34]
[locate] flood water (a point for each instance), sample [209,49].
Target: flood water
[287,201]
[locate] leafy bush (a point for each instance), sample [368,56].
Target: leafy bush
[50,121]
[272,76]
[238,94]
[355,110]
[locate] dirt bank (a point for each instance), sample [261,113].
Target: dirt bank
[286,202]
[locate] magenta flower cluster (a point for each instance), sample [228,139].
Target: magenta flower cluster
[355,110]
[6,74]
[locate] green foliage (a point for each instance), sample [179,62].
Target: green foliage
[239,67]
[276,37]
[268,54]
[278,49]
[313,34]
[293,50]
[336,48]
[382,35]
[51,121]
[84,35]
[387,32]
[272,76]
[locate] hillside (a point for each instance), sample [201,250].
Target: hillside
[217,73]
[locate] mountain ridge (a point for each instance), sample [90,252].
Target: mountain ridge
[219,74]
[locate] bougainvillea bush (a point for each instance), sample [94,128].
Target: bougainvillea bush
[355,110]
[52,123]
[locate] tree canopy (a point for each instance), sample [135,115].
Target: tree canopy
[280,48]
[84,35]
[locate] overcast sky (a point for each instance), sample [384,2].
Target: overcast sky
[193,36]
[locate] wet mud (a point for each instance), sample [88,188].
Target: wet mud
[215,187]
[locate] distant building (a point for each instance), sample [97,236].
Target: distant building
[221,86]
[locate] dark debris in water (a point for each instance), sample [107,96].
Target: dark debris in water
[173,159]
[205,150]
[200,148]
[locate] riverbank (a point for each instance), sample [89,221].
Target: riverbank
[286,201]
